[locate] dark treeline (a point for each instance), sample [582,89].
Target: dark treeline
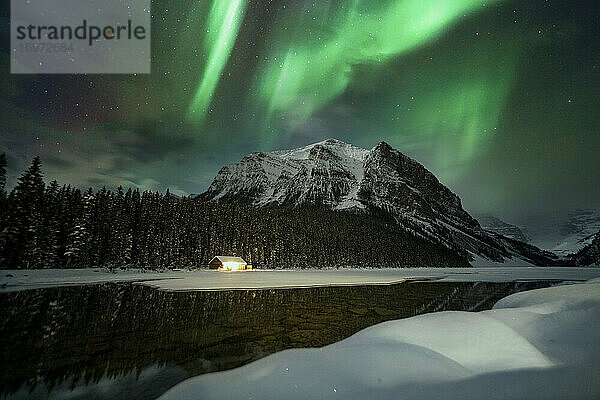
[53,226]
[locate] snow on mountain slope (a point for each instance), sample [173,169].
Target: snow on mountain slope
[382,180]
[326,173]
[578,231]
[496,225]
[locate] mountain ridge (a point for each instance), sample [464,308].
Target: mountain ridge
[494,224]
[339,176]
[590,253]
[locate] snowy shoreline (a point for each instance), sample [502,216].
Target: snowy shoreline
[14,280]
[538,344]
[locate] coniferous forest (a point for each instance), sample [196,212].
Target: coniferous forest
[59,226]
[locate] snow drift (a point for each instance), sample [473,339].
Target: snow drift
[538,344]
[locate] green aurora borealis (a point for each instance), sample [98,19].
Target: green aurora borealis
[222,25]
[498,98]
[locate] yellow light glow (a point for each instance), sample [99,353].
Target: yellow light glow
[233,266]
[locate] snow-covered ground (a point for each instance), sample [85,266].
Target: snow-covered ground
[264,279]
[41,278]
[540,344]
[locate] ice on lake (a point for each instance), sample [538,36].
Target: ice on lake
[267,279]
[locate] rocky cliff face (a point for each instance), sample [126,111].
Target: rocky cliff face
[339,176]
[496,225]
[326,173]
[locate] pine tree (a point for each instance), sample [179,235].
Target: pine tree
[3,165]
[22,234]
[76,251]
[3,207]
[49,229]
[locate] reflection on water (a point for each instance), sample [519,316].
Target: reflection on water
[111,340]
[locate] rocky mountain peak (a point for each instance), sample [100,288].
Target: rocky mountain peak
[340,176]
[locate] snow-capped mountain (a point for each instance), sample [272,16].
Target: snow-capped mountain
[578,231]
[339,176]
[327,173]
[564,234]
[496,225]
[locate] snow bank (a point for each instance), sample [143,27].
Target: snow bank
[538,344]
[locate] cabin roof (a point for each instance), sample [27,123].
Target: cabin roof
[225,259]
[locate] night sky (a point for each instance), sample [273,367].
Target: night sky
[500,99]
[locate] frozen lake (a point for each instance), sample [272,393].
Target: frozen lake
[94,334]
[264,279]
[122,340]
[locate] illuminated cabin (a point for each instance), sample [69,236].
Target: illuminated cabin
[227,263]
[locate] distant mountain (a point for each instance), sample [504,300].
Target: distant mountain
[496,225]
[564,234]
[590,253]
[381,181]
